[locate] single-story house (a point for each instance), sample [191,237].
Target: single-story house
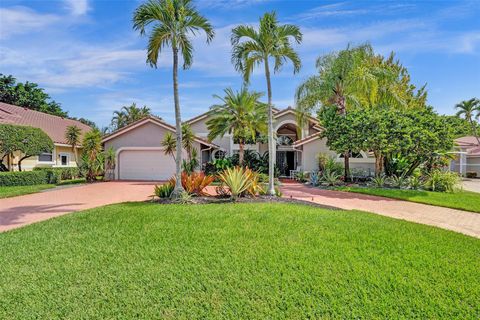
[140,155]
[54,126]
[467,151]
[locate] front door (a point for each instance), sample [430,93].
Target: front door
[285,162]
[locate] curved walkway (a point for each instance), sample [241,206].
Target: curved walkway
[456,220]
[22,210]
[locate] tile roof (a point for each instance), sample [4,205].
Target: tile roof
[467,141]
[53,126]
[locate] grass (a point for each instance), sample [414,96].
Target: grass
[13,191]
[250,261]
[464,200]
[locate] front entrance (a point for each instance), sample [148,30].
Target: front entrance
[285,162]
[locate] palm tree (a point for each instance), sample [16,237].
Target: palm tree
[470,109]
[240,114]
[128,115]
[72,136]
[173,21]
[169,145]
[252,48]
[187,140]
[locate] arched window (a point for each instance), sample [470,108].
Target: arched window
[284,141]
[218,154]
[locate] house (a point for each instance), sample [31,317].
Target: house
[467,151]
[140,155]
[53,126]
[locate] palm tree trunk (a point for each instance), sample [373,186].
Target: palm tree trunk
[346,155]
[241,152]
[178,128]
[271,146]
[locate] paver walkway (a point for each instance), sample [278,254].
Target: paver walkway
[19,211]
[471,185]
[456,220]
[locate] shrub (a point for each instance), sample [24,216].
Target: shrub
[379,181]
[195,182]
[240,181]
[398,181]
[415,182]
[57,174]
[23,178]
[301,176]
[314,178]
[442,181]
[471,174]
[331,165]
[184,198]
[331,177]
[322,159]
[164,190]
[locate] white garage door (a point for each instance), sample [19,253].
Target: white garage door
[145,165]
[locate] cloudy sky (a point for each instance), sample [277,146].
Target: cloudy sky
[88,58]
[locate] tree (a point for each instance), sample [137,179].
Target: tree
[28,95]
[172,21]
[460,126]
[28,141]
[93,160]
[169,144]
[240,114]
[252,48]
[129,114]
[72,135]
[469,110]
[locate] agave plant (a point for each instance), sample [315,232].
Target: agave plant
[314,178]
[379,181]
[331,177]
[240,181]
[399,181]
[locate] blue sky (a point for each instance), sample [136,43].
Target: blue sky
[88,58]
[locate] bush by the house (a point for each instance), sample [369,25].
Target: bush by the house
[164,190]
[471,174]
[23,178]
[55,175]
[442,181]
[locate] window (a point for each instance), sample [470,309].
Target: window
[45,157]
[219,154]
[64,159]
[284,141]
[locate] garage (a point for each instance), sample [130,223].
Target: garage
[145,165]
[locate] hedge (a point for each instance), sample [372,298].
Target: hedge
[55,175]
[23,178]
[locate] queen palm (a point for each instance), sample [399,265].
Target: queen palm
[252,48]
[72,136]
[172,22]
[469,110]
[239,114]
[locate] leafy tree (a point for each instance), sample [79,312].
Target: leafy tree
[72,135]
[93,160]
[28,95]
[129,114]
[172,21]
[253,48]
[240,114]
[470,110]
[28,141]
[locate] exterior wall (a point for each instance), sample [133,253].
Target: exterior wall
[473,164]
[200,129]
[32,162]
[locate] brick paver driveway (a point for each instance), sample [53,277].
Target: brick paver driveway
[19,211]
[451,219]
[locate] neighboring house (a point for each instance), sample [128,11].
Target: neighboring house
[467,156]
[141,157]
[53,126]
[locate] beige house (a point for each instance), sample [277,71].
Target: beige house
[467,151]
[140,155]
[55,127]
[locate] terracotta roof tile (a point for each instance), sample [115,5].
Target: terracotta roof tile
[53,126]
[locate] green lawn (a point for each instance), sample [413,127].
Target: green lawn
[464,200]
[7,192]
[251,261]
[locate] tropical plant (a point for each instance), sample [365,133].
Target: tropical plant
[239,181]
[379,181]
[110,163]
[173,21]
[398,181]
[93,159]
[415,182]
[239,114]
[331,178]
[195,183]
[163,191]
[315,178]
[470,110]
[27,141]
[169,144]
[332,165]
[322,160]
[191,164]
[252,48]
[183,198]
[129,114]
[301,176]
[442,181]
[72,136]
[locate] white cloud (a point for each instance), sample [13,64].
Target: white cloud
[77,7]
[18,20]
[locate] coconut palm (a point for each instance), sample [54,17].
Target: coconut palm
[253,48]
[129,114]
[240,114]
[72,136]
[172,21]
[469,110]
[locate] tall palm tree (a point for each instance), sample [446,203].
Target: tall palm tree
[172,21]
[72,135]
[470,109]
[252,48]
[240,114]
